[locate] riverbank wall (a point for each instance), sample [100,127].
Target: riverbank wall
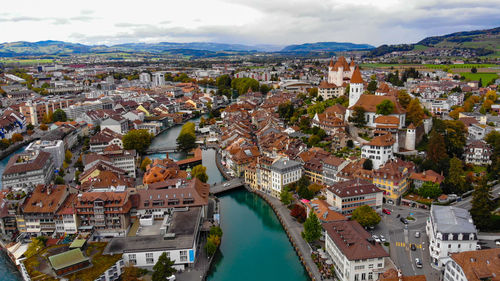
[7,152]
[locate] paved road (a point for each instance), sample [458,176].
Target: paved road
[466,203]
[400,239]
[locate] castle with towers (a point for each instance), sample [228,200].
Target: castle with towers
[340,74]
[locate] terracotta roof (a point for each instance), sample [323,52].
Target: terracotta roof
[356,76]
[14,167]
[412,126]
[370,102]
[428,175]
[333,161]
[392,275]
[479,265]
[110,199]
[46,199]
[353,240]
[353,188]
[383,140]
[387,120]
[323,211]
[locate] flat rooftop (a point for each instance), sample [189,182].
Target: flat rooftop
[184,224]
[150,229]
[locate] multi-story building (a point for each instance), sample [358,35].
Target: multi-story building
[122,159]
[393,179]
[107,211]
[346,196]
[379,150]
[263,172]
[283,172]
[11,122]
[66,219]
[472,265]
[103,139]
[158,79]
[450,230]
[76,110]
[331,166]
[355,255]
[177,236]
[116,124]
[426,176]
[35,111]
[26,170]
[55,148]
[40,209]
[478,153]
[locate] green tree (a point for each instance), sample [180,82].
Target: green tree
[368,164]
[455,181]
[200,172]
[366,216]
[243,84]
[436,149]
[286,110]
[187,137]
[216,230]
[430,190]
[473,70]
[163,268]
[312,228]
[138,140]
[358,117]
[372,86]
[59,180]
[313,92]
[67,156]
[313,140]
[455,137]
[30,127]
[59,115]
[386,107]
[145,162]
[482,205]
[210,246]
[285,196]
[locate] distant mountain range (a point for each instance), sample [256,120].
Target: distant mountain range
[483,42]
[49,47]
[326,47]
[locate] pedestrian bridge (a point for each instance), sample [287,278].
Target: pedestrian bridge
[163,149]
[227,185]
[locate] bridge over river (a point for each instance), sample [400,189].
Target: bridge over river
[227,185]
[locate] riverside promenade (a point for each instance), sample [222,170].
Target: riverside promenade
[293,230]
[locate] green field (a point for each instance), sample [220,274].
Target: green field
[485,77]
[443,66]
[26,61]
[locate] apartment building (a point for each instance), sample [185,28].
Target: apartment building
[103,139]
[26,170]
[450,230]
[473,265]
[55,148]
[35,111]
[283,172]
[346,196]
[106,211]
[478,153]
[355,255]
[393,179]
[380,149]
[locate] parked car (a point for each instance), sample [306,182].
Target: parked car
[418,263]
[385,211]
[403,220]
[417,234]
[478,247]
[497,242]
[413,247]
[382,238]
[375,237]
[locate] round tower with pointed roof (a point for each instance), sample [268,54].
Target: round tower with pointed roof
[410,137]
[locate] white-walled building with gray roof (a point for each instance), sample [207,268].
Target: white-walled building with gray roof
[450,230]
[283,172]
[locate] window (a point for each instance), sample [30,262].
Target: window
[149,258]
[132,259]
[183,255]
[370,275]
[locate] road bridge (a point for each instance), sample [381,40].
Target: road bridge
[227,185]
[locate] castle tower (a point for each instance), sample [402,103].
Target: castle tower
[356,87]
[410,137]
[352,66]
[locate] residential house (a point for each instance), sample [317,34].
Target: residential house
[478,153]
[392,178]
[426,176]
[103,139]
[116,124]
[473,265]
[379,150]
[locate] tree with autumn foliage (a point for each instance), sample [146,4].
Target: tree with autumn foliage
[299,213]
[404,99]
[414,113]
[455,113]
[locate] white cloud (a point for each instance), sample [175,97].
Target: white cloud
[243,21]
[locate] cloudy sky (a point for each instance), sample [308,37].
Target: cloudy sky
[242,21]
